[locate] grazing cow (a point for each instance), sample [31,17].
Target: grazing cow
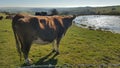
[39,29]
[41,13]
[1,17]
[9,17]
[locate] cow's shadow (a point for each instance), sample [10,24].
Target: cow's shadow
[46,61]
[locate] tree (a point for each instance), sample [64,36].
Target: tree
[41,13]
[54,12]
[113,9]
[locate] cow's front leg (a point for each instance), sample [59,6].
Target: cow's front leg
[57,49]
[53,46]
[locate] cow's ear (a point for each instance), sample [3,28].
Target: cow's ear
[74,16]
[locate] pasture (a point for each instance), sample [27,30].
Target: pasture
[79,46]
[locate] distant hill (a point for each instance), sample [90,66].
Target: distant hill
[113,10]
[108,10]
[22,10]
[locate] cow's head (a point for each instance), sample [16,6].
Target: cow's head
[68,20]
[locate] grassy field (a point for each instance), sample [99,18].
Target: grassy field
[79,46]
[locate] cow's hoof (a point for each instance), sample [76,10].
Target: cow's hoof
[27,64]
[28,61]
[57,53]
[53,51]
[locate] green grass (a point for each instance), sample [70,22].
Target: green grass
[79,46]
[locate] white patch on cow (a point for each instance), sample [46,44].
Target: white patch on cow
[40,41]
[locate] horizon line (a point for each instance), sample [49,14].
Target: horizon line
[58,6]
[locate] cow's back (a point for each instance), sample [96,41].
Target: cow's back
[33,27]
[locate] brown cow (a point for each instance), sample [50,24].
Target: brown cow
[39,29]
[1,17]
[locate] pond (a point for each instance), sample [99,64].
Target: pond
[99,22]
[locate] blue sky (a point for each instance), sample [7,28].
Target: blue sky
[57,3]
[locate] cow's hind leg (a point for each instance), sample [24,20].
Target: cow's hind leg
[57,45]
[25,49]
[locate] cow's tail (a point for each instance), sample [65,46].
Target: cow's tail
[17,38]
[17,44]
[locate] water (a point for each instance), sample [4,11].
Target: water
[101,22]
